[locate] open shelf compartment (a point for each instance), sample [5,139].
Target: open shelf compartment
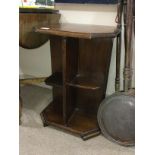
[55,79]
[86,125]
[52,114]
[82,120]
[86,82]
[82,117]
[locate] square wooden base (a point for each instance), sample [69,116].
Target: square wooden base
[79,124]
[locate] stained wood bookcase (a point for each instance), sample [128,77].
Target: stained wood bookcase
[80,56]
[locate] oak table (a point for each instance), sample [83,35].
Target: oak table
[80,56]
[29,18]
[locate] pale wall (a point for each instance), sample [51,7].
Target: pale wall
[37,62]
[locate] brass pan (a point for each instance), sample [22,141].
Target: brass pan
[116,118]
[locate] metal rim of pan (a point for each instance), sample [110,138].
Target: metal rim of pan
[104,131]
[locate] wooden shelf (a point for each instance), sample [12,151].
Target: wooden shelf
[53,113]
[55,79]
[79,124]
[86,82]
[82,121]
[79,30]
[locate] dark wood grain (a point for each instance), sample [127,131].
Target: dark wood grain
[53,112]
[72,46]
[56,54]
[64,56]
[79,31]
[27,23]
[83,65]
[37,10]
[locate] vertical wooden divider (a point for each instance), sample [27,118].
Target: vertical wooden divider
[64,48]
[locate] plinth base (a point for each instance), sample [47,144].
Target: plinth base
[80,124]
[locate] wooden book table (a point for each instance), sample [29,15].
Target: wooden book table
[80,56]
